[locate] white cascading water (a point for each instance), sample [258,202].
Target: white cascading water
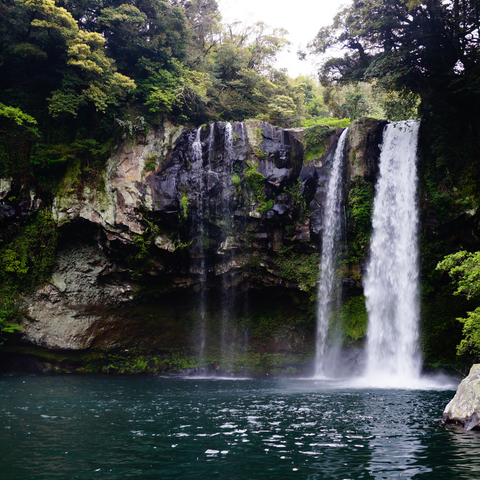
[227,346]
[200,232]
[391,280]
[197,146]
[332,226]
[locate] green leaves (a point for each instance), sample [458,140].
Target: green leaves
[404,45]
[92,77]
[177,87]
[255,182]
[464,268]
[112,17]
[316,141]
[20,118]
[6,325]
[471,332]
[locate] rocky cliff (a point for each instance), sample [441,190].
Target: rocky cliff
[191,243]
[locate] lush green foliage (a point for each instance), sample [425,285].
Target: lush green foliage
[151,163]
[6,325]
[354,319]
[412,46]
[255,182]
[471,333]
[298,268]
[316,142]
[359,216]
[327,121]
[27,257]
[27,254]
[298,201]
[464,268]
[97,70]
[418,55]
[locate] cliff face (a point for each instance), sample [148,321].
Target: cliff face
[194,243]
[222,221]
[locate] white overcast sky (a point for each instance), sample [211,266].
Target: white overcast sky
[301,18]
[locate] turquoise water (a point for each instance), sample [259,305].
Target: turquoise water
[88,427]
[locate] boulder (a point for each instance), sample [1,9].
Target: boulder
[364,148]
[464,408]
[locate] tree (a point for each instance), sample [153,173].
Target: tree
[18,133]
[244,83]
[406,45]
[464,269]
[425,57]
[203,19]
[178,88]
[146,40]
[81,71]
[312,96]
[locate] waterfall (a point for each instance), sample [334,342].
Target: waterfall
[332,226]
[227,347]
[391,280]
[214,219]
[197,147]
[198,249]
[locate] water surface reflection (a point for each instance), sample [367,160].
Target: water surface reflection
[121,427]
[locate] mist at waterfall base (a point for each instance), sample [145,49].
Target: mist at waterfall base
[112,427]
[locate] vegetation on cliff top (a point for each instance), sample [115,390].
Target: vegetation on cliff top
[93,71]
[420,53]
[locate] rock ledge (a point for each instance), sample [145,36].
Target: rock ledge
[464,408]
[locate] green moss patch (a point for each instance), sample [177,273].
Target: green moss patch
[354,319]
[299,268]
[316,142]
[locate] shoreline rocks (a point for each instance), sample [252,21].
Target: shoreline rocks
[464,408]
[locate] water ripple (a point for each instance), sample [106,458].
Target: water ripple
[69,426]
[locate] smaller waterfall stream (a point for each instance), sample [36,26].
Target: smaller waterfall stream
[332,226]
[391,282]
[227,347]
[199,233]
[217,240]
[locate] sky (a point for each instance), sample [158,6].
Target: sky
[301,18]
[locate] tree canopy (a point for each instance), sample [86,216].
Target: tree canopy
[90,70]
[413,45]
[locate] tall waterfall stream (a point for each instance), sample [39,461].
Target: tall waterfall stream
[228,335]
[199,234]
[215,168]
[391,282]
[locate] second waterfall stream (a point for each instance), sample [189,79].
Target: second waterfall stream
[331,236]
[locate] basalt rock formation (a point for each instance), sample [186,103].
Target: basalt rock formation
[464,408]
[184,228]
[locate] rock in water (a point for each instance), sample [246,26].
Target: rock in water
[464,408]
